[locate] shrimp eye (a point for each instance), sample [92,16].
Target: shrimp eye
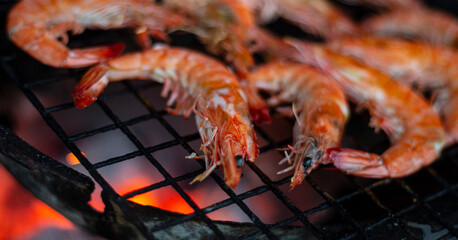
[238,161]
[307,162]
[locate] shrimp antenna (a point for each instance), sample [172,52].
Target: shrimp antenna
[296,116]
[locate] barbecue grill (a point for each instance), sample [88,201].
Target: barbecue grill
[424,205]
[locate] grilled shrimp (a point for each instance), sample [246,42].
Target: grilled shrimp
[318,17]
[425,65]
[221,25]
[225,27]
[321,106]
[196,83]
[420,24]
[387,4]
[256,38]
[40,27]
[415,130]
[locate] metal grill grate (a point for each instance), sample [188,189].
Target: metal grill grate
[364,211]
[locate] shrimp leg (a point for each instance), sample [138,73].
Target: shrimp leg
[196,83]
[415,130]
[321,106]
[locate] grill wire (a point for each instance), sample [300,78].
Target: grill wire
[391,218]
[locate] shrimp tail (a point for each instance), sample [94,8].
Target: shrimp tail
[259,112]
[88,56]
[358,163]
[91,86]
[301,51]
[259,116]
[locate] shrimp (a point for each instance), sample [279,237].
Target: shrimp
[40,27]
[415,130]
[220,25]
[225,26]
[257,39]
[387,4]
[321,106]
[318,17]
[420,24]
[428,66]
[196,83]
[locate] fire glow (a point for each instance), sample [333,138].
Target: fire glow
[34,215]
[19,206]
[72,159]
[170,201]
[164,198]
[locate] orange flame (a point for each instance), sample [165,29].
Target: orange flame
[164,198]
[21,214]
[170,201]
[72,159]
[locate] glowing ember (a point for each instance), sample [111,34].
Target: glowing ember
[170,200]
[22,215]
[165,198]
[96,200]
[72,159]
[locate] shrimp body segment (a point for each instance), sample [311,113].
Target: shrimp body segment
[318,17]
[420,24]
[321,107]
[415,130]
[194,83]
[40,27]
[387,4]
[425,65]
